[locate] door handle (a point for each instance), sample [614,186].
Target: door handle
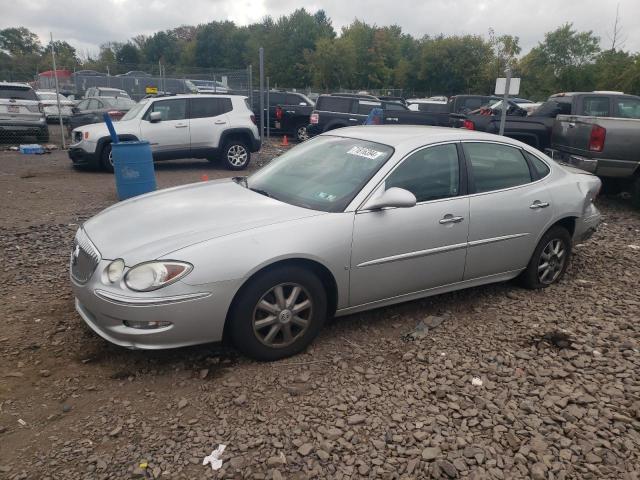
[220,122]
[181,126]
[538,204]
[353,119]
[572,125]
[448,218]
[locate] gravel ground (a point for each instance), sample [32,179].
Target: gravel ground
[499,382]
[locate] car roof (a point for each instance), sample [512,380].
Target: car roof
[197,95]
[414,136]
[15,84]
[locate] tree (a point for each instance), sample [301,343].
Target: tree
[220,45]
[19,41]
[162,46]
[128,54]
[566,48]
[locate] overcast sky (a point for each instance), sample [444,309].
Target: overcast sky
[88,23]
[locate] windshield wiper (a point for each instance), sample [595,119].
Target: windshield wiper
[261,192]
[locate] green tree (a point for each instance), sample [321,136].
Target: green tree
[128,54]
[19,41]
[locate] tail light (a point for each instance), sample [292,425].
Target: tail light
[253,119]
[596,140]
[468,124]
[314,119]
[278,113]
[115,113]
[41,108]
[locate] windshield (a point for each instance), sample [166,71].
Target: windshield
[112,92]
[48,96]
[323,174]
[18,93]
[135,109]
[119,102]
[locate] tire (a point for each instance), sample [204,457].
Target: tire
[557,243]
[635,193]
[301,133]
[268,341]
[106,160]
[236,154]
[43,135]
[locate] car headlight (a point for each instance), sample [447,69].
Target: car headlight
[148,276]
[115,270]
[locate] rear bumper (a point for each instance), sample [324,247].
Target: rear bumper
[82,158]
[256,143]
[603,167]
[587,164]
[313,129]
[23,128]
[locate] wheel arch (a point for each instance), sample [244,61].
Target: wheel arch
[107,141]
[243,134]
[324,274]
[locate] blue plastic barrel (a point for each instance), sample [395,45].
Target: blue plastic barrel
[133,168]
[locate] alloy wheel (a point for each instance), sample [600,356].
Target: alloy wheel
[552,260]
[237,155]
[282,315]
[302,134]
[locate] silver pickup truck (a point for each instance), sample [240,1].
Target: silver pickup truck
[604,141]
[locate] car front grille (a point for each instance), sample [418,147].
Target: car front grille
[84,257]
[77,137]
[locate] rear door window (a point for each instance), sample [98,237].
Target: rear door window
[495,166]
[209,107]
[540,168]
[628,107]
[334,104]
[596,106]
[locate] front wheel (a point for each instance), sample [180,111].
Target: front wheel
[278,313]
[236,155]
[550,259]
[106,158]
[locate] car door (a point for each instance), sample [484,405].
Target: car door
[168,137]
[509,209]
[398,251]
[207,120]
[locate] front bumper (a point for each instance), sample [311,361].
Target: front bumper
[21,127]
[81,157]
[195,314]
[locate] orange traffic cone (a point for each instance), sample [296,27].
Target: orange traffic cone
[285,141]
[204,177]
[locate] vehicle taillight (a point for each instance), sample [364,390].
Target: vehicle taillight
[41,108]
[278,113]
[314,119]
[468,124]
[115,113]
[596,140]
[253,119]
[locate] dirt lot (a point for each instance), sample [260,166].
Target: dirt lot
[365,401]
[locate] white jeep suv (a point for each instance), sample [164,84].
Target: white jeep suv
[176,126]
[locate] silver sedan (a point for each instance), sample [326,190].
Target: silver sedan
[352,220]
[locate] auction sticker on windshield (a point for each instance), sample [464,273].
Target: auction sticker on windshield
[365,152]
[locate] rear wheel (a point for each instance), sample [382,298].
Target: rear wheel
[106,158]
[550,259]
[43,135]
[301,133]
[236,154]
[635,193]
[278,313]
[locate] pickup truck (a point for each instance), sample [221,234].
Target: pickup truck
[288,113]
[343,110]
[604,139]
[536,128]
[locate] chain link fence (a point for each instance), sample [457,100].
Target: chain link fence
[36,119]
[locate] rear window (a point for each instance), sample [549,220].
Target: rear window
[596,106]
[334,104]
[17,93]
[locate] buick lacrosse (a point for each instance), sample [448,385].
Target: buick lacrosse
[354,219]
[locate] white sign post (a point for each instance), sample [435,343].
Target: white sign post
[505,87]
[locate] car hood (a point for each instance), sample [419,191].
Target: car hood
[99,130]
[154,225]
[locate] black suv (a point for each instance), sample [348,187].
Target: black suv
[288,112]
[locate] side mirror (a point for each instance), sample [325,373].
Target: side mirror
[155,117]
[393,198]
[75,110]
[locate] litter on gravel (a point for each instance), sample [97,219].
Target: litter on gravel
[214,459]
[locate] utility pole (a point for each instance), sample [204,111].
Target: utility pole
[55,76]
[268,112]
[261,93]
[505,99]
